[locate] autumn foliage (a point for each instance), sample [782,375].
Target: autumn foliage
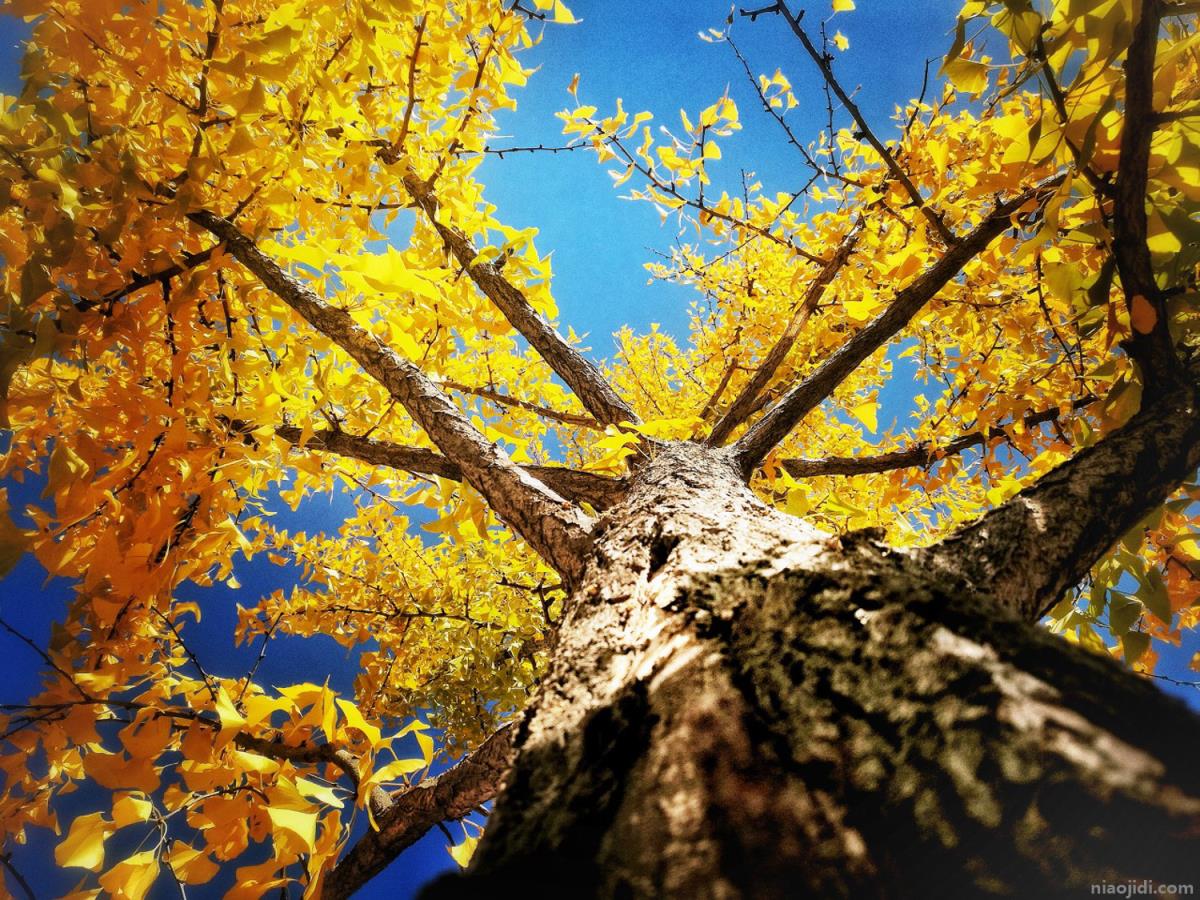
[171,397]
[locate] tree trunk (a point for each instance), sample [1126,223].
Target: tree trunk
[739,706]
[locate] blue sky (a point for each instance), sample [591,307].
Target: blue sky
[649,55]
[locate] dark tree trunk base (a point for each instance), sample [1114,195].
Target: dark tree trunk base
[739,707]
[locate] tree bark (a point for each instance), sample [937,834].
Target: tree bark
[740,706]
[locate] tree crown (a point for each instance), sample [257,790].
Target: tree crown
[248,260]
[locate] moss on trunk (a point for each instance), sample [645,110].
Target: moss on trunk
[742,707]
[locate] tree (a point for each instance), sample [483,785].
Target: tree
[691,628]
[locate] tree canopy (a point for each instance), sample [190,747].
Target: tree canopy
[248,259]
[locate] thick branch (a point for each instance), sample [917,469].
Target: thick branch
[600,491]
[744,405]
[452,795]
[775,425]
[922,454]
[1150,346]
[593,391]
[558,531]
[1032,549]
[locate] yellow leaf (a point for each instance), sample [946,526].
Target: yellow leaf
[354,719]
[231,719]
[147,737]
[463,852]
[319,792]
[190,865]
[116,772]
[251,882]
[1189,547]
[389,273]
[253,762]
[841,41]
[967,75]
[129,810]
[861,310]
[241,143]
[293,829]
[562,15]
[1160,238]
[426,744]
[396,768]
[255,103]
[83,847]
[12,539]
[843,5]
[867,413]
[132,878]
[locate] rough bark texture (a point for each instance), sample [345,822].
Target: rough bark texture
[753,446]
[584,379]
[574,484]
[918,455]
[555,528]
[742,707]
[1150,345]
[745,404]
[1029,551]
[406,817]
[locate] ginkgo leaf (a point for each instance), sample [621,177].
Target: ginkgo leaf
[867,413]
[131,878]
[231,719]
[191,866]
[1159,236]
[130,809]
[83,847]
[462,853]
[1134,645]
[294,829]
[841,41]
[967,75]
[13,542]
[562,15]
[319,792]
[354,719]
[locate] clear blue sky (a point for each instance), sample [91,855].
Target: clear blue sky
[649,55]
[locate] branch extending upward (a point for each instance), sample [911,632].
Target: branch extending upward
[1029,551]
[744,405]
[593,391]
[776,424]
[1032,549]
[557,530]
[1151,345]
[601,491]
[922,454]
[455,793]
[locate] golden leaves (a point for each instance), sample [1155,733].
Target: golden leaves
[161,459]
[83,847]
[131,878]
